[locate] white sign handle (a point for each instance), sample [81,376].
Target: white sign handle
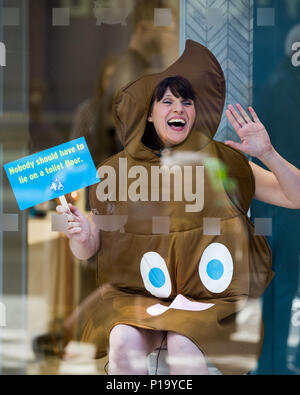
[64,202]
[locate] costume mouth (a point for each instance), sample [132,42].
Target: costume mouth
[179,303]
[177,124]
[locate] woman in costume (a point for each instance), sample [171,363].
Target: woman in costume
[164,273]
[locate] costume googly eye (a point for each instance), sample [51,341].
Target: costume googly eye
[155,275]
[216,268]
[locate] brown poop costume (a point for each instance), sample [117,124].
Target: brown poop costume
[161,266]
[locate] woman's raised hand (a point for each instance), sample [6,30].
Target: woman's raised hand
[79,228]
[255,140]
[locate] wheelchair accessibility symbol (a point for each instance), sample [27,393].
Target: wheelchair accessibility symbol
[57,185]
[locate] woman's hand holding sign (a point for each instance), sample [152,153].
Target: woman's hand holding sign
[82,232]
[78,225]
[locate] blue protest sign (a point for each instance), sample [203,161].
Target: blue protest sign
[51,173]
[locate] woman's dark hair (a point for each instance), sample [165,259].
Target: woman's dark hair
[180,87]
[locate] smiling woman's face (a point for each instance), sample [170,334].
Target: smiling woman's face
[173,118]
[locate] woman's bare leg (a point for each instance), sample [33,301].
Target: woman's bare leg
[129,348]
[184,357]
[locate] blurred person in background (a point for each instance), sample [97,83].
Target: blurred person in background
[42,133]
[102,143]
[84,123]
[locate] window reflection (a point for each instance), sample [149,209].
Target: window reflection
[58,79]
[85,54]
